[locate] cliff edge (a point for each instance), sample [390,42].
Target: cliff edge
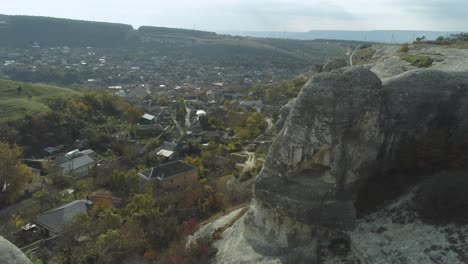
[353,140]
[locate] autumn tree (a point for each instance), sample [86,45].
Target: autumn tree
[13,173]
[133,114]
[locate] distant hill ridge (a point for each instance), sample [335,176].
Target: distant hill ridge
[199,47]
[382,36]
[22,31]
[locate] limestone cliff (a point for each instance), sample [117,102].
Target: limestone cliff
[346,126]
[11,254]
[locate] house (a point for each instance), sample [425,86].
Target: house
[176,174]
[207,136]
[232,96]
[58,220]
[218,85]
[239,158]
[252,104]
[78,163]
[167,150]
[50,151]
[147,119]
[105,199]
[89,152]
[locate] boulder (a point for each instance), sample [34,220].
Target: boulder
[10,254]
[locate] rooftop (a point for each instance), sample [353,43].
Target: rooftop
[166,145]
[57,220]
[77,162]
[167,170]
[165,153]
[148,116]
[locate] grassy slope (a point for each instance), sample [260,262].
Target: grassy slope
[31,99]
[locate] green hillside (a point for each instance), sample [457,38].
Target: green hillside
[17,102]
[25,31]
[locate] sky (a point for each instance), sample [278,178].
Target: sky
[258,15]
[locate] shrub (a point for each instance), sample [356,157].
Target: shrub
[418,60]
[404,48]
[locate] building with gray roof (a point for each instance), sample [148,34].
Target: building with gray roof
[58,220]
[176,174]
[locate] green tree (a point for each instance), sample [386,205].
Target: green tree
[163,100]
[133,114]
[140,205]
[43,197]
[254,124]
[13,173]
[124,183]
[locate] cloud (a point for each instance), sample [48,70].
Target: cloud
[438,9]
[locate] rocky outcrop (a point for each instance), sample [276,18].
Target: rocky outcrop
[333,64]
[345,126]
[386,62]
[10,254]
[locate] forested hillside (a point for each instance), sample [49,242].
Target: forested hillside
[28,31]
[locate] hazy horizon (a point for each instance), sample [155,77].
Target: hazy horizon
[263,15]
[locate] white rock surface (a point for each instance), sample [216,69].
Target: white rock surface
[10,254]
[234,248]
[396,235]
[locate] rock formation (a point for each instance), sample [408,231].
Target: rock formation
[10,254]
[344,127]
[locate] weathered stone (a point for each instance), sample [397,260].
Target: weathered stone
[284,112]
[10,254]
[309,165]
[345,126]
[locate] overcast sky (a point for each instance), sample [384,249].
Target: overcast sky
[257,15]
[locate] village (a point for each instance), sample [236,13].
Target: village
[149,69]
[188,137]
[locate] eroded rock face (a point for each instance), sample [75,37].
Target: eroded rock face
[344,126]
[10,254]
[318,155]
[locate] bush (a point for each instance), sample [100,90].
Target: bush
[404,48]
[444,199]
[418,60]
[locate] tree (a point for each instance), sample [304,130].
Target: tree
[13,173]
[254,124]
[419,39]
[163,100]
[215,123]
[133,114]
[43,197]
[440,39]
[124,183]
[140,205]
